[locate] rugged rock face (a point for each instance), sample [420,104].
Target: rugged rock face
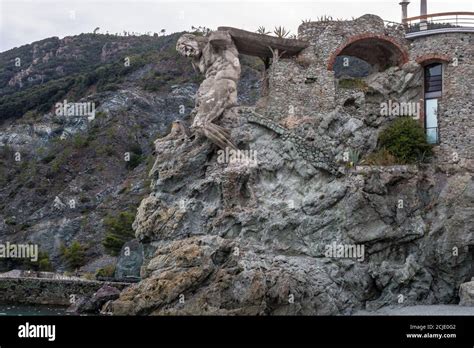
[69,159]
[94,303]
[466,293]
[130,260]
[59,292]
[213,275]
[235,237]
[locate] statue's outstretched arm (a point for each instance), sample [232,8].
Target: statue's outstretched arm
[220,39]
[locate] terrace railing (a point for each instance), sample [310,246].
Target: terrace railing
[443,20]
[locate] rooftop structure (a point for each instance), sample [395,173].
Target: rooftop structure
[435,23]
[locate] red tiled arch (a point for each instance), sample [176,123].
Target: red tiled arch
[432,58]
[352,39]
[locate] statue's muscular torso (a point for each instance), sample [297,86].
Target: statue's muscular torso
[220,62]
[218,59]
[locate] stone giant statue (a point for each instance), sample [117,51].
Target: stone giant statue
[216,57]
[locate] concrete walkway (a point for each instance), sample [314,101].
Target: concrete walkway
[422,310]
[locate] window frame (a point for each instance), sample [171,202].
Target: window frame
[433,94]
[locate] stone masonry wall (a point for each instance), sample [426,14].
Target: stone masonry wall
[305,86]
[48,291]
[299,90]
[327,36]
[455,114]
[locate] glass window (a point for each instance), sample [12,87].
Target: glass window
[431,120]
[433,90]
[433,78]
[433,70]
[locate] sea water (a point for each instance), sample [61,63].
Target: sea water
[21,309]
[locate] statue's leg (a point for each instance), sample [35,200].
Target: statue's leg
[214,99]
[218,135]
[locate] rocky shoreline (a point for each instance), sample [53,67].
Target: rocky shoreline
[45,288]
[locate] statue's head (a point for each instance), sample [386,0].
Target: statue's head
[190,45]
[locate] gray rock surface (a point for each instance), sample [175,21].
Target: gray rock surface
[466,294]
[71,158]
[93,304]
[233,238]
[130,260]
[229,237]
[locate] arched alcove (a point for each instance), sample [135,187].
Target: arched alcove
[381,52]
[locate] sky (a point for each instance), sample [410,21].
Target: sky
[26,21]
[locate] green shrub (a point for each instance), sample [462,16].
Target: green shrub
[118,231]
[106,272]
[3,176]
[10,221]
[406,140]
[48,158]
[109,87]
[382,157]
[88,276]
[55,166]
[136,148]
[136,156]
[74,255]
[80,141]
[44,264]
[83,198]
[353,84]
[134,161]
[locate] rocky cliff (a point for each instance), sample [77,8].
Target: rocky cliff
[216,235]
[252,237]
[62,176]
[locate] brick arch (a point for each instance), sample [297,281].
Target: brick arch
[433,58]
[388,44]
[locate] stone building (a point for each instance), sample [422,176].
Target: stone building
[322,97]
[306,84]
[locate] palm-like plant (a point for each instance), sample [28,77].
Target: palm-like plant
[354,157]
[324,18]
[204,31]
[281,32]
[262,30]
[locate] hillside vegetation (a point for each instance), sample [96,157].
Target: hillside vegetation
[64,179]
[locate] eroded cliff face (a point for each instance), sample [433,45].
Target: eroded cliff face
[68,159]
[253,238]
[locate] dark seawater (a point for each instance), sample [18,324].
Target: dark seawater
[20,309]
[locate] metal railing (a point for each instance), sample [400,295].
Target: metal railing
[443,20]
[390,24]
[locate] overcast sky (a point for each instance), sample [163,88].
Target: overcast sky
[25,21]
